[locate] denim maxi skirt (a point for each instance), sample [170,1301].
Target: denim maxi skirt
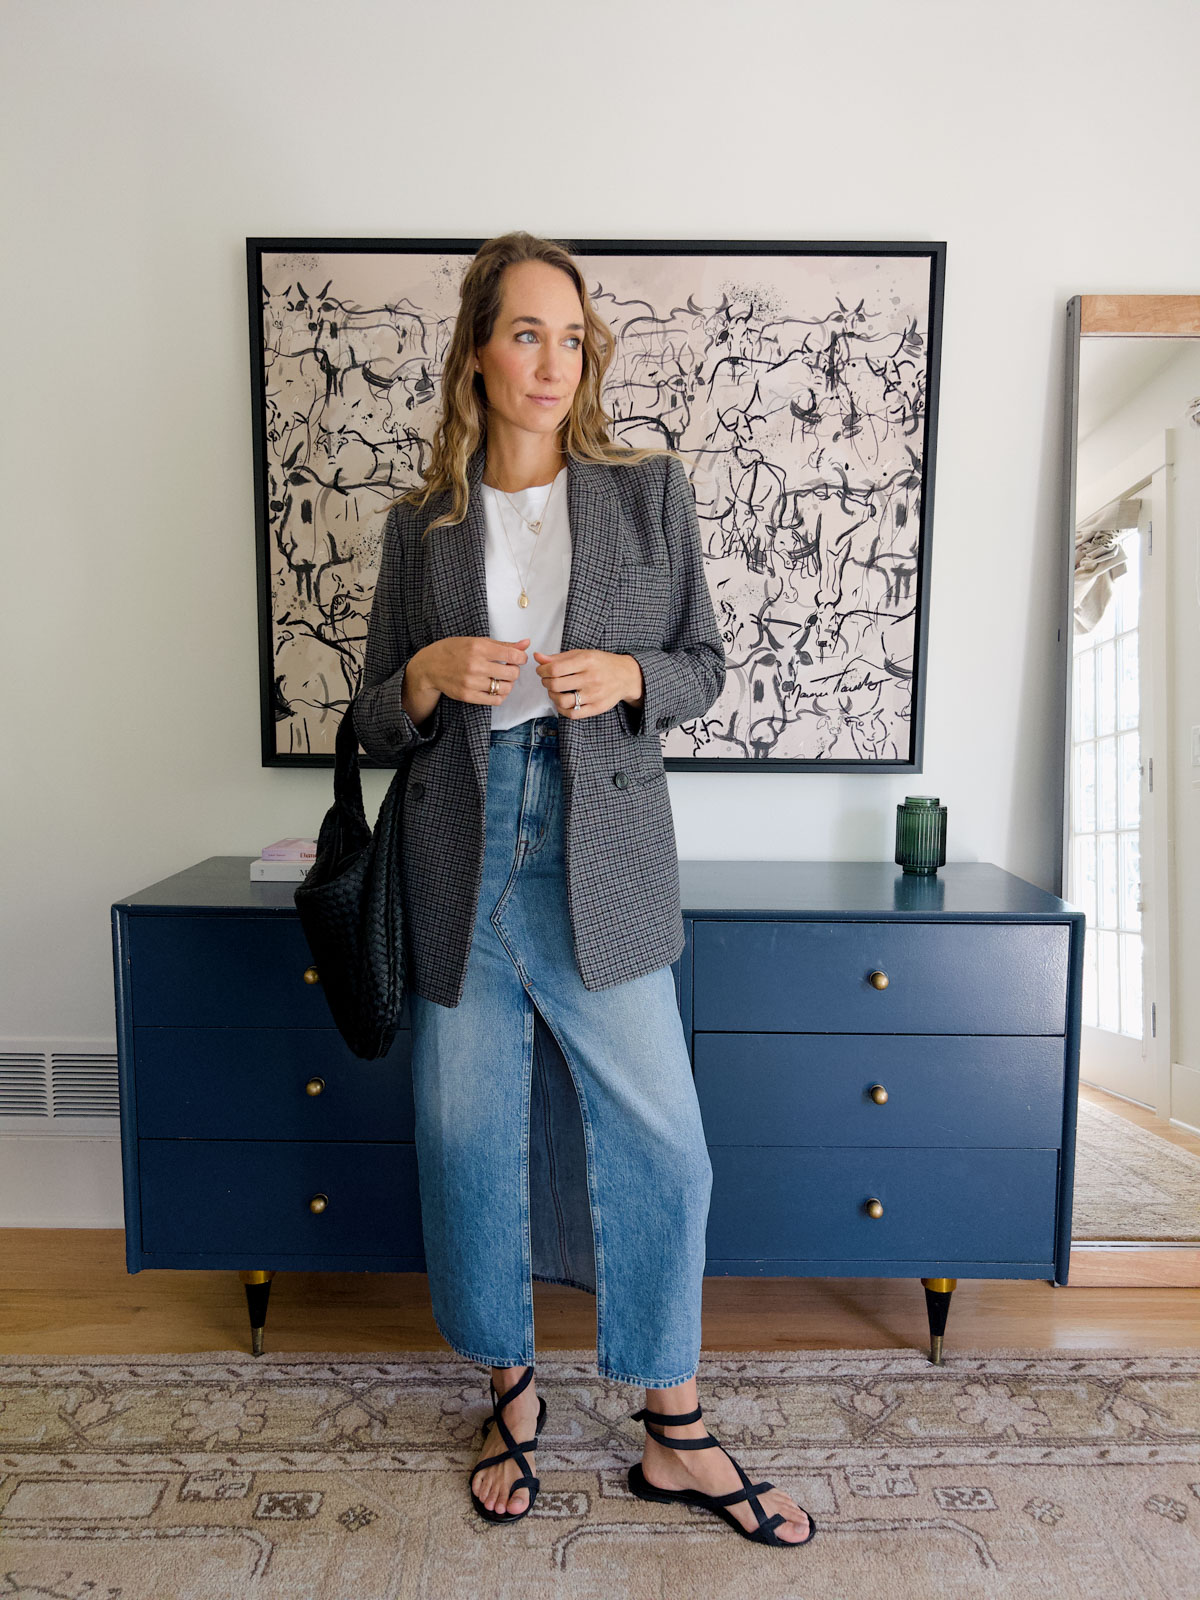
[558,1133]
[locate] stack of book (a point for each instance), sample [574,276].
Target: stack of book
[285,861]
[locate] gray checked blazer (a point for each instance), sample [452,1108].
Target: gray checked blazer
[637,587]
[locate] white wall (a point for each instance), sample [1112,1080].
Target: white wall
[144,141]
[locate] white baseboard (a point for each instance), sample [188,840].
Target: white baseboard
[1185,1096]
[60,1182]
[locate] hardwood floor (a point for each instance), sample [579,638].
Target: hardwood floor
[66,1292]
[1144,1118]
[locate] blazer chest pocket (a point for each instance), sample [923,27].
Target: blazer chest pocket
[639,603]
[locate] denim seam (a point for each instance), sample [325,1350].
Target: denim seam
[526,1063]
[474,1355]
[573,1283]
[519,855]
[604,1371]
[644,1383]
[543,799]
[526,1230]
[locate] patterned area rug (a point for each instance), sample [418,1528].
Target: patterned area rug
[1015,1474]
[1130,1184]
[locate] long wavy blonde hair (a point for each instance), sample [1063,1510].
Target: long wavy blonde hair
[463,423]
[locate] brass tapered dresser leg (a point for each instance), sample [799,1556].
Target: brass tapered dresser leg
[937,1305]
[258,1292]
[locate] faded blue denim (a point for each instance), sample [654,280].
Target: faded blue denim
[558,1131]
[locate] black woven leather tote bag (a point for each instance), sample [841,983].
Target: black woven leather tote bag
[350,905]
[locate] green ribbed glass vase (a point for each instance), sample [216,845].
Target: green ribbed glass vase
[921,833]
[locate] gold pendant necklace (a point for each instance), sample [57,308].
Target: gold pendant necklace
[522,598]
[534,527]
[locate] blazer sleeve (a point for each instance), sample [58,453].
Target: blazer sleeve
[385,730]
[686,676]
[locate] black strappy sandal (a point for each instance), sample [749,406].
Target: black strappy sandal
[526,1480]
[645,1490]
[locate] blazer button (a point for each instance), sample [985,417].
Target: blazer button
[417,790]
[621,779]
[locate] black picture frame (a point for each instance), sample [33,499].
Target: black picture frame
[868,693]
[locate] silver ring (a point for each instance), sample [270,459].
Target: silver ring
[578,700]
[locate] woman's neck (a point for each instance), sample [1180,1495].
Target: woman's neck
[516,488]
[525,462]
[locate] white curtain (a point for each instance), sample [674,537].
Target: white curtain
[1099,559]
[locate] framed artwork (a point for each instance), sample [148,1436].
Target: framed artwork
[799,382]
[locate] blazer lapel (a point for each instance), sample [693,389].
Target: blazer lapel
[459,580]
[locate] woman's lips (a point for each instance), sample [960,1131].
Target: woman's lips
[541,400]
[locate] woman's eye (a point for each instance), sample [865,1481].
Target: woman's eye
[574,337]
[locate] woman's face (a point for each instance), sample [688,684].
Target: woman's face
[536,348]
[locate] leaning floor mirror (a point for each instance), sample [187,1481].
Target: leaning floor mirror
[1131,751]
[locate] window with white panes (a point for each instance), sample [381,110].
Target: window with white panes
[1106,788]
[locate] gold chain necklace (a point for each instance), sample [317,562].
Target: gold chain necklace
[522,598]
[534,527]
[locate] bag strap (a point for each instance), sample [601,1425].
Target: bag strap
[347,782]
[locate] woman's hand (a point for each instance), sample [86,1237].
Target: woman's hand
[602,677]
[463,667]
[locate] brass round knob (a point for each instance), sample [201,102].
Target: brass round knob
[874,1208]
[311,975]
[318,1203]
[315,1085]
[877,1092]
[878,980]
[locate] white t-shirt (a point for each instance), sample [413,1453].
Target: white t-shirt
[543,561]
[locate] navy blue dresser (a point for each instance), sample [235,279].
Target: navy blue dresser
[887,1069]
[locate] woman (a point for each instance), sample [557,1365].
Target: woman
[558,1133]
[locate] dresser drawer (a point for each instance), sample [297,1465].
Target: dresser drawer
[224,972]
[802,1205]
[941,1089]
[201,1196]
[943,977]
[260,1083]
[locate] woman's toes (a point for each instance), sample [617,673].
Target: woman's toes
[796,1527]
